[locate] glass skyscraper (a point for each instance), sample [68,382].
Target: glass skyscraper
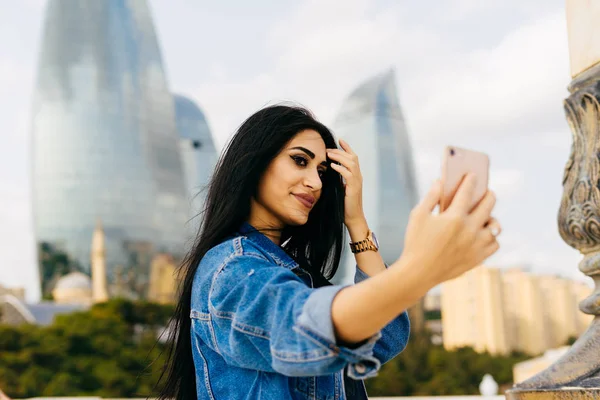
[105,145]
[371,121]
[198,153]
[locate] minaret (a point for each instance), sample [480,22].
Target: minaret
[98,259]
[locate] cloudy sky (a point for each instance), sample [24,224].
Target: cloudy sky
[485,75]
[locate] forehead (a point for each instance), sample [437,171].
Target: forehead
[309,139]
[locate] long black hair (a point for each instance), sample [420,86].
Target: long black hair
[316,245]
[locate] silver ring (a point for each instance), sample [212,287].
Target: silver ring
[494,230]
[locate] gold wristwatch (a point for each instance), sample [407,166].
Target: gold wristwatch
[370,243]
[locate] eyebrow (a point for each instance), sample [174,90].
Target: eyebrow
[309,153]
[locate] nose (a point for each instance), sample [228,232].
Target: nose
[313,180]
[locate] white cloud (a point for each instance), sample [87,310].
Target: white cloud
[506,182]
[512,89]
[321,52]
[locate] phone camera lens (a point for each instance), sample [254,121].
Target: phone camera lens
[451,152]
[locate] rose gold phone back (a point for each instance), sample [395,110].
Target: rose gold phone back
[456,164]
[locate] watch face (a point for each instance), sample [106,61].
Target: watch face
[375,239]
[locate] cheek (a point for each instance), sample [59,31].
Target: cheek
[276,184]
[282,177]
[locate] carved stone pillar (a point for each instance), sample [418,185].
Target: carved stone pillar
[577,374]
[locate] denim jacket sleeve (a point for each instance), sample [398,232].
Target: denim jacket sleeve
[264,317]
[394,336]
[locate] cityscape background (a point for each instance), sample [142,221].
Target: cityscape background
[113,115]
[486,77]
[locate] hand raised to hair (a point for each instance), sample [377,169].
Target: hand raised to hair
[349,169]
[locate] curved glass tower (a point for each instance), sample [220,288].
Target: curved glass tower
[198,153]
[371,121]
[104,137]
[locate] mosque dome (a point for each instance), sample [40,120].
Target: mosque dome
[73,288]
[74,280]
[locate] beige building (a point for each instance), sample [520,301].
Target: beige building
[562,309]
[163,282]
[524,312]
[473,312]
[501,311]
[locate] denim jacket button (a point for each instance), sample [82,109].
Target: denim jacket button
[360,368]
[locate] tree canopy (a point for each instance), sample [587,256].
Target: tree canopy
[112,350]
[423,369]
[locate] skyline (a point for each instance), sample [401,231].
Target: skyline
[198,155]
[487,77]
[371,118]
[105,143]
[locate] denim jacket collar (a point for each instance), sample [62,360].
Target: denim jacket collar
[277,253]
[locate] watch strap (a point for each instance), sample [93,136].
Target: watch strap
[363,245]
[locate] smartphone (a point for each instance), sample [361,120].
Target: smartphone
[456,164]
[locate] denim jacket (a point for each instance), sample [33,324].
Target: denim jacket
[261,331]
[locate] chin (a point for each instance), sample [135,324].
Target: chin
[297,220]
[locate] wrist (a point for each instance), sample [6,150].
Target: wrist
[418,271]
[358,229]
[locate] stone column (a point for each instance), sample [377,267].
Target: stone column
[576,375]
[98,263]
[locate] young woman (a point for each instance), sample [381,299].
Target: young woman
[257,317]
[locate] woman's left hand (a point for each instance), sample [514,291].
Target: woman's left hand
[349,169]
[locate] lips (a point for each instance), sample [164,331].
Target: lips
[306,199]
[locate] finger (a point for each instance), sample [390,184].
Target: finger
[463,199]
[343,171]
[491,248]
[432,198]
[483,210]
[346,146]
[346,159]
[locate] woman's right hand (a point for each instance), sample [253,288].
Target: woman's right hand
[437,248]
[450,243]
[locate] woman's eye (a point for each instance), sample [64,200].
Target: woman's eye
[321,173]
[301,161]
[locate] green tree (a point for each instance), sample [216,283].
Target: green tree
[54,263]
[423,369]
[110,350]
